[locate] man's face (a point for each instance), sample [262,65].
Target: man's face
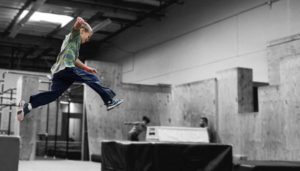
[85,36]
[202,123]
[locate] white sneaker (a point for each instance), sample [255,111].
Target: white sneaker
[114,103]
[20,111]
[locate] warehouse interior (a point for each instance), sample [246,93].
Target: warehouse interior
[234,63]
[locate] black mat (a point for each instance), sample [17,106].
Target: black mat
[267,166]
[145,156]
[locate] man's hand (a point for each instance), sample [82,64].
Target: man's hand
[90,69]
[80,20]
[81,65]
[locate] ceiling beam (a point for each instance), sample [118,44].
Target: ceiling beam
[25,6]
[102,7]
[59,28]
[13,45]
[147,2]
[31,40]
[5,57]
[29,52]
[18,25]
[119,4]
[29,44]
[94,18]
[43,53]
[9,7]
[14,62]
[96,5]
[116,19]
[148,15]
[104,32]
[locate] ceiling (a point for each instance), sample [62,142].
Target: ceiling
[33,46]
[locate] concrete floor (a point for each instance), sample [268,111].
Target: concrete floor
[58,165]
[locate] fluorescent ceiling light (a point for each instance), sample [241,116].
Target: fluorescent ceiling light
[48,17]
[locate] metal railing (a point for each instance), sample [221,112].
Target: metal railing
[12,103]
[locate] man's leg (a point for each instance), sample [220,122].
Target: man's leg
[57,88]
[59,85]
[92,81]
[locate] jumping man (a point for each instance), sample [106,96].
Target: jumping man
[68,69]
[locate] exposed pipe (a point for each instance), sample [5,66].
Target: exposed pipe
[47,128]
[83,132]
[148,2]
[10,113]
[1,99]
[68,124]
[101,25]
[56,127]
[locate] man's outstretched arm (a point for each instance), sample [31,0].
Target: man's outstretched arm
[133,123]
[80,22]
[81,65]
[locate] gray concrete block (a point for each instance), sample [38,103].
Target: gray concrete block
[9,150]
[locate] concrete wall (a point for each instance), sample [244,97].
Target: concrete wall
[269,134]
[262,135]
[272,133]
[192,101]
[181,105]
[140,100]
[235,104]
[199,38]
[289,87]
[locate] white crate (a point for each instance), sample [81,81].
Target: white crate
[177,134]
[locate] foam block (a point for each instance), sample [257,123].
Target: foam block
[9,153]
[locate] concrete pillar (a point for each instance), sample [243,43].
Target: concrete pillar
[27,130]
[276,51]
[235,97]
[236,88]
[290,91]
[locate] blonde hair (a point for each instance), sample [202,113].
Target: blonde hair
[87,28]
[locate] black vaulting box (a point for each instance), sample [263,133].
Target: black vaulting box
[164,156]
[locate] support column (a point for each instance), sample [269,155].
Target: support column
[235,97]
[27,129]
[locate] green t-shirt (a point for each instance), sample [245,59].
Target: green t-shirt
[69,52]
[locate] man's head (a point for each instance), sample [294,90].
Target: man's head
[203,122]
[146,119]
[85,34]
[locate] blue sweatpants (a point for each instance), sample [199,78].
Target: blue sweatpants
[63,79]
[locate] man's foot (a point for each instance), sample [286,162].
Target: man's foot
[23,109]
[114,103]
[20,111]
